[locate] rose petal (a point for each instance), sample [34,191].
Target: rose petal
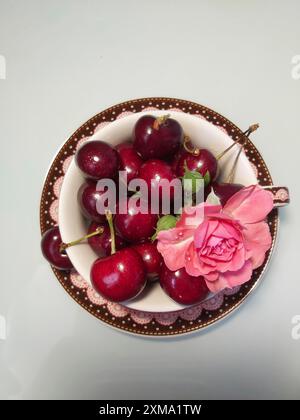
[235,278]
[233,231]
[213,241]
[172,248]
[203,232]
[194,216]
[212,276]
[249,205]
[236,261]
[217,285]
[257,241]
[193,265]
[174,235]
[231,278]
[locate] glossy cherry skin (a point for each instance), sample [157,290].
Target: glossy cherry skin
[154,141]
[224,190]
[97,160]
[151,257]
[101,243]
[130,160]
[183,288]
[135,226]
[174,161]
[204,162]
[88,197]
[153,171]
[50,244]
[120,277]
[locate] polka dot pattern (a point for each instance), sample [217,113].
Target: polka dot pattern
[118,316]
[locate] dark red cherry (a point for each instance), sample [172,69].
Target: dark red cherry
[130,160]
[101,243]
[153,172]
[182,287]
[50,244]
[134,226]
[157,137]
[175,160]
[89,198]
[202,163]
[120,277]
[224,190]
[97,160]
[151,257]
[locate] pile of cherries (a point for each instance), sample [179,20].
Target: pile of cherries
[127,254]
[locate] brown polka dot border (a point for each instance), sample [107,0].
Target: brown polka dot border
[136,322]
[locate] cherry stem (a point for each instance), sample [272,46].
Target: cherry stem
[233,169]
[246,133]
[189,147]
[109,219]
[64,246]
[160,120]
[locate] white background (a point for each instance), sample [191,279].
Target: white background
[66,61]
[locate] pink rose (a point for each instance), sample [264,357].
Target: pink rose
[224,245]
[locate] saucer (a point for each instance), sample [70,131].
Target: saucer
[152,313]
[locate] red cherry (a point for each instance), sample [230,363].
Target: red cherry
[157,137]
[130,160]
[119,277]
[175,160]
[135,226]
[153,171]
[101,243]
[202,163]
[182,287]
[224,190]
[151,257]
[88,197]
[97,160]
[51,249]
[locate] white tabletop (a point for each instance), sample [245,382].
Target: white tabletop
[66,61]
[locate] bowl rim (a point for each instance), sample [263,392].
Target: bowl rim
[149,301]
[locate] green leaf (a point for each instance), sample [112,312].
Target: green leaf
[193,176]
[213,199]
[207,178]
[164,223]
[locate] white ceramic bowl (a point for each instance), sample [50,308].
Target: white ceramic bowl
[73,225]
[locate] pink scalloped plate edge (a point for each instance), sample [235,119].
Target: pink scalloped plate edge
[118,316]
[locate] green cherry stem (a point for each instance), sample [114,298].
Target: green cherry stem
[64,246]
[109,219]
